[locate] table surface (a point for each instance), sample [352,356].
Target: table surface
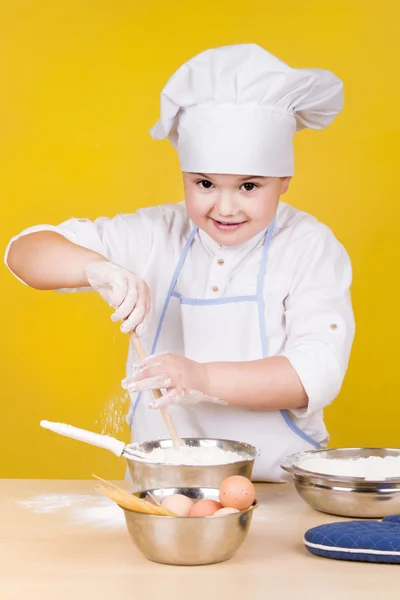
[59,539]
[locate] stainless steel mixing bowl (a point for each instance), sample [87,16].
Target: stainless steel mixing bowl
[346,496]
[188,540]
[146,475]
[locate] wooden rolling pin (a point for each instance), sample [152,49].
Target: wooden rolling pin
[157,394]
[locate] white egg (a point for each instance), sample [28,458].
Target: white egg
[179,504]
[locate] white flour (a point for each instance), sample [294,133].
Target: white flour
[109,517]
[372,468]
[78,509]
[113,416]
[192,456]
[47,503]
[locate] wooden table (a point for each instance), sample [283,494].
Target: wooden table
[58,554]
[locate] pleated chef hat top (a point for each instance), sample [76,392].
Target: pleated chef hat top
[235,110]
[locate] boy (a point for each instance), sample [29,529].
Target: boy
[251,326]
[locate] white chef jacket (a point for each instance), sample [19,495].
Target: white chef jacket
[309,315]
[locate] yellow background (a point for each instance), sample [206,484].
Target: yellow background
[80,86]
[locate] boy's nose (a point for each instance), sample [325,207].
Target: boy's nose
[225,205]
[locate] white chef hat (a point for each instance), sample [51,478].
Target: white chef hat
[236,109]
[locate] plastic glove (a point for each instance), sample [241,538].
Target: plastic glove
[184,380]
[124,291]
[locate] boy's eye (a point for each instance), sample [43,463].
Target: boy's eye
[249,187]
[205,184]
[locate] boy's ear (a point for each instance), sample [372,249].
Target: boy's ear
[285,184]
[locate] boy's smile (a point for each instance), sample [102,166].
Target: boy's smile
[227,225]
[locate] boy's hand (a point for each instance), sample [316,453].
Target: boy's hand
[185,380]
[124,291]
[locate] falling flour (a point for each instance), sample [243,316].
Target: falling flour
[373,468]
[188,455]
[113,416]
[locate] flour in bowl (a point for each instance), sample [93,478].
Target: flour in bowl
[373,468]
[188,455]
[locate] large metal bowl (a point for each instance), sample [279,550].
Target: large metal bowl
[188,540]
[146,475]
[346,496]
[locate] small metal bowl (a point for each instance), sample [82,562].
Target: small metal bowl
[346,496]
[188,540]
[146,475]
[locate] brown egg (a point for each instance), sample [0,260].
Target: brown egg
[205,508]
[226,511]
[237,492]
[179,504]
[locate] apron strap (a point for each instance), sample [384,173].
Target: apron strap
[260,287]
[171,288]
[172,285]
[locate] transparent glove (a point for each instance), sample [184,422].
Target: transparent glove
[123,291]
[184,380]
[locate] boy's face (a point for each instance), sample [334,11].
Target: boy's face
[232,208]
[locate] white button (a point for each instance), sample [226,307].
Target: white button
[221,261]
[215,288]
[334,326]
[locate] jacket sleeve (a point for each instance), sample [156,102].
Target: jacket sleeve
[319,318]
[125,239]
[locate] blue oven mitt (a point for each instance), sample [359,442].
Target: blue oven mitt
[392,519]
[370,541]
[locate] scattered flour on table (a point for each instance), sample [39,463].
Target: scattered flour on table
[187,455]
[48,503]
[109,517]
[373,468]
[89,509]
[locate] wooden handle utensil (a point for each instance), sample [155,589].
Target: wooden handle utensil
[157,394]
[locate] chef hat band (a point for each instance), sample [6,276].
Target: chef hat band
[260,141]
[235,110]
